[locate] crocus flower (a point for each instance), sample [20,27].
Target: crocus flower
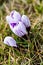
[10,41]
[25,20]
[14,21]
[17,23]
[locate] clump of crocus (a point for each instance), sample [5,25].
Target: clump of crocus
[18,23]
[10,41]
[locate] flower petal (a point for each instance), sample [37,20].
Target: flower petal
[25,20]
[20,29]
[15,15]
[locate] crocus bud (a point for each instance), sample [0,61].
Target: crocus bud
[25,20]
[10,41]
[19,29]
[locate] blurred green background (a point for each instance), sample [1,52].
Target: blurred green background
[30,51]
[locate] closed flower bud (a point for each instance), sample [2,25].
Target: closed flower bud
[10,41]
[25,20]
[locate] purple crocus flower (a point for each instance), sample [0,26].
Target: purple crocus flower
[10,41]
[18,24]
[15,24]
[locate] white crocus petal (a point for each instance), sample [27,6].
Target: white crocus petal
[19,30]
[16,15]
[10,41]
[25,20]
[11,20]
